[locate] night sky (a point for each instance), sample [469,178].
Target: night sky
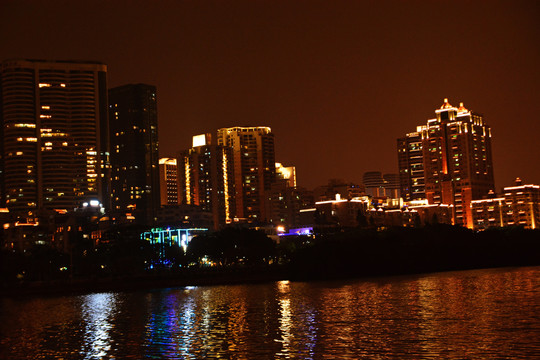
[337,81]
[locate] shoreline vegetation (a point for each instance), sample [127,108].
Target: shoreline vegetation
[239,256]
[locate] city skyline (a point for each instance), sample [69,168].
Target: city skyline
[373,71]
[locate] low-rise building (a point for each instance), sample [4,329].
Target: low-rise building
[519,206]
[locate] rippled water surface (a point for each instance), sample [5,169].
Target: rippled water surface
[481,314]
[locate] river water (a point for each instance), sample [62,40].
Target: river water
[479,314]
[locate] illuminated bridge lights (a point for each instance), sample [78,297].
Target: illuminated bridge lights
[171,236]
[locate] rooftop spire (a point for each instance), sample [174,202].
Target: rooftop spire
[446,104]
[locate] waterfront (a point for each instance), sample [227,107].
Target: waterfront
[492,313]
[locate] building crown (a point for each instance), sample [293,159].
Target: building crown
[446,104]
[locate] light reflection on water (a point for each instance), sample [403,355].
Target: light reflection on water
[473,314]
[97,310]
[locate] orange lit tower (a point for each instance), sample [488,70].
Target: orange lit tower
[458,166]
[206,178]
[254,168]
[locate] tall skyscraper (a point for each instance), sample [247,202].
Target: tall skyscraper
[206,178]
[54,150]
[134,151]
[254,168]
[458,166]
[168,182]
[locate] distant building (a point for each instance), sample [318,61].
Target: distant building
[339,212]
[168,182]
[286,173]
[374,183]
[184,216]
[54,149]
[134,151]
[207,180]
[378,185]
[347,190]
[391,185]
[458,166]
[285,199]
[519,206]
[254,168]
[432,214]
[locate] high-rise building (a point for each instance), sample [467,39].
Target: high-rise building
[168,182]
[134,151]
[458,166]
[206,178]
[254,168]
[54,150]
[411,166]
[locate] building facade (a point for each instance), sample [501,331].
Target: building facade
[285,200]
[168,182]
[457,160]
[519,206]
[379,186]
[254,168]
[55,141]
[207,180]
[411,166]
[341,212]
[134,151]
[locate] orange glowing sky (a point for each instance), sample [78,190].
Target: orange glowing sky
[337,81]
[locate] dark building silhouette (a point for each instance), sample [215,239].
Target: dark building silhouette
[347,190]
[391,185]
[134,152]
[54,150]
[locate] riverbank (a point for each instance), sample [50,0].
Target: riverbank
[353,254]
[200,277]
[205,278]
